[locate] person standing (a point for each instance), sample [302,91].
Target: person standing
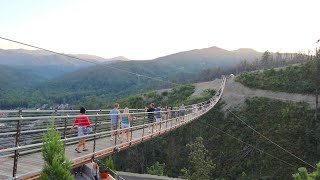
[115,121]
[182,112]
[84,127]
[158,117]
[150,112]
[125,124]
[94,170]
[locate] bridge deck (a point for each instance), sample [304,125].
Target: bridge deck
[33,162]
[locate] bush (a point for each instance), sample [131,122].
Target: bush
[156,169]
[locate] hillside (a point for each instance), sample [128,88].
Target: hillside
[235,95]
[13,77]
[286,123]
[292,79]
[74,82]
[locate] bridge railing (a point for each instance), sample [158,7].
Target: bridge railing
[21,136]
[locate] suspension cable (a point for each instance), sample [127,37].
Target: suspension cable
[274,143]
[249,145]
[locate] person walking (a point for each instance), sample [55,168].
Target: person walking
[150,112]
[115,122]
[84,128]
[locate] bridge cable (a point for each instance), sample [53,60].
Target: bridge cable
[271,140]
[81,59]
[262,151]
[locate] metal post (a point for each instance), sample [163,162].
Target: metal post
[173,115]
[152,126]
[130,126]
[65,132]
[160,122]
[116,133]
[16,152]
[167,118]
[144,118]
[95,132]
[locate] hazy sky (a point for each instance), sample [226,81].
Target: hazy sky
[145,29]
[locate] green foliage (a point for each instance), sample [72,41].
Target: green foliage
[199,162]
[156,169]
[109,163]
[56,164]
[293,79]
[178,95]
[105,164]
[304,175]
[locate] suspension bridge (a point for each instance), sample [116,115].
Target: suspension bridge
[21,133]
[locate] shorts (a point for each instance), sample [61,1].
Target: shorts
[150,120]
[123,126]
[114,126]
[158,119]
[83,130]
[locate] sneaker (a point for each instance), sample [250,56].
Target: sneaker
[111,139]
[149,131]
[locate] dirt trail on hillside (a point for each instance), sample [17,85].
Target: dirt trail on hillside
[235,94]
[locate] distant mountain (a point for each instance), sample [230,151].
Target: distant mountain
[179,67]
[120,58]
[72,81]
[199,59]
[46,64]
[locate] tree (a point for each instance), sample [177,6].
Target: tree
[200,165]
[156,169]
[304,175]
[56,164]
[266,57]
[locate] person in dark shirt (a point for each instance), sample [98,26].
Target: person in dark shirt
[150,112]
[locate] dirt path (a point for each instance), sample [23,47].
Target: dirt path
[235,94]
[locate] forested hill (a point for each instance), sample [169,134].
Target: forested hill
[104,84]
[298,78]
[12,78]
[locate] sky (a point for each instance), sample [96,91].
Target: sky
[146,29]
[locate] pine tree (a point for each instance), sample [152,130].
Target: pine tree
[199,163]
[56,164]
[304,175]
